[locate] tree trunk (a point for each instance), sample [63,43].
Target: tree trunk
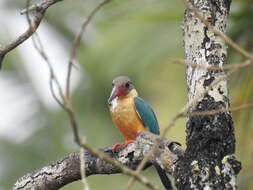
[208,162]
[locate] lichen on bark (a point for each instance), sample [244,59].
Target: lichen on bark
[210,138]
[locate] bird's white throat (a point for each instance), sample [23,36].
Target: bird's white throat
[114,103]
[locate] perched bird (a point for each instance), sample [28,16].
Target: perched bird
[132,115]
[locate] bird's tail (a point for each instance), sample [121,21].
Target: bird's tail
[164,178]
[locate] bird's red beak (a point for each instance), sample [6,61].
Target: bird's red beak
[116,92]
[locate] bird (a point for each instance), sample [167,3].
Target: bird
[132,115]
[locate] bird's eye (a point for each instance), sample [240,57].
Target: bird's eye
[127,85]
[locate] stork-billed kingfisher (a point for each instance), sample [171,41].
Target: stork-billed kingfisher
[132,115]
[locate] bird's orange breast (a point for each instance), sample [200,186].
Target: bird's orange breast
[126,118]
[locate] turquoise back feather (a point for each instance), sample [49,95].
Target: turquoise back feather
[147,115]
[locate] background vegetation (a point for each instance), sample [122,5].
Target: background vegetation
[134,38]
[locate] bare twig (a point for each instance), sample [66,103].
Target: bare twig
[76,43]
[39,47]
[191,104]
[215,68]
[82,170]
[43,5]
[39,14]
[123,168]
[212,112]
[142,164]
[228,40]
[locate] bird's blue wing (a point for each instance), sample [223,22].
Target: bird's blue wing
[147,115]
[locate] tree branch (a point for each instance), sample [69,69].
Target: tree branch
[67,170]
[40,10]
[246,64]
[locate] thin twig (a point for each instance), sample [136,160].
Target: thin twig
[39,14]
[43,5]
[82,170]
[76,43]
[228,40]
[53,93]
[73,122]
[195,100]
[40,49]
[142,165]
[212,112]
[123,168]
[215,68]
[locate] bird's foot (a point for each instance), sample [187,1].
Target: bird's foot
[124,145]
[116,146]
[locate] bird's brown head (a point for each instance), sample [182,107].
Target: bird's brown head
[121,87]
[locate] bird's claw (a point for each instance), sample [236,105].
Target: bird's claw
[124,145]
[116,146]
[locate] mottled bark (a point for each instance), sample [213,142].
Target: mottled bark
[208,162]
[67,170]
